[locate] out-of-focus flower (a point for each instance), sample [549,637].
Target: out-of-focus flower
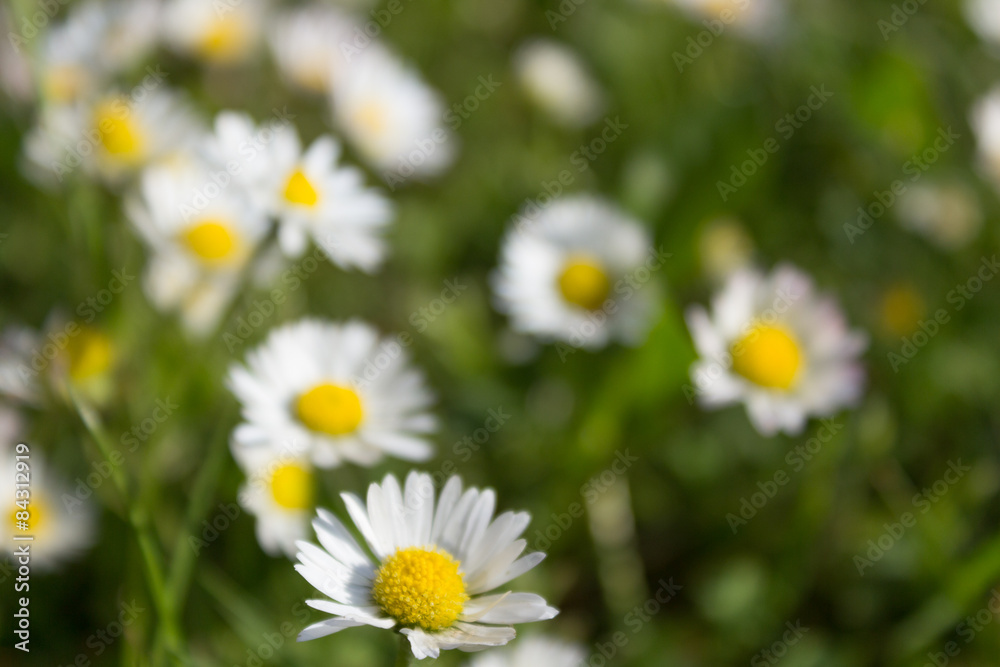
[578,271]
[201,236]
[333,392]
[984,17]
[222,33]
[946,214]
[431,570]
[724,247]
[754,18]
[391,116]
[279,491]
[985,123]
[777,346]
[535,651]
[18,376]
[900,310]
[307,45]
[61,531]
[557,80]
[312,196]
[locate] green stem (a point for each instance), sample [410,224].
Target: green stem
[403,655]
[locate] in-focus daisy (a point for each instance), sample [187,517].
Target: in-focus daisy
[556,79]
[201,237]
[985,123]
[61,529]
[777,346]
[984,17]
[534,651]
[279,491]
[307,45]
[947,214]
[218,31]
[391,117]
[333,392]
[314,197]
[578,271]
[431,571]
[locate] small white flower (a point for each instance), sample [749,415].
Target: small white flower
[306,44]
[216,31]
[534,651]
[984,17]
[431,570]
[556,79]
[314,197]
[279,491]
[333,393]
[201,237]
[775,345]
[575,272]
[947,214]
[985,123]
[391,117]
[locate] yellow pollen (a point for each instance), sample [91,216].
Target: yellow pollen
[89,353]
[225,40]
[211,241]
[299,190]
[584,283]
[330,409]
[292,487]
[768,356]
[420,588]
[119,135]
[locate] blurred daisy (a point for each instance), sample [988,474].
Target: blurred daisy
[391,117]
[221,31]
[984,17]
[985,123]
[431,567]
[312,196]
[306,43]
[578,271]
[948,215]
[279,491]
[201,237]
[724,246]
[754,18]
[333,393]
[61,529]
[533,651]
[901,309]
[556,79]
[778,347]
[18,372]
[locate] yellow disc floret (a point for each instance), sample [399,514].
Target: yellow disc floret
[292,487]
[210,240]
[89,353]
[119,134]
[331,409]
[768,356]
[584,283]
[299,190]
[225,40]
[420,588]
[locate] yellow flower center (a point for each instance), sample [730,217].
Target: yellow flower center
[211,241]
[36,513]
[371,118]
[64,83]
[292,487]
[226,40]
[584,283]
[89,353]
[330,409]
[299,190]
[119,135]
[902,308]
[768,356]
[420,588]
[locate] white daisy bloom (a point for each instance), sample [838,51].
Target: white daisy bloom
[391,116]
[578,271]
[431,570]
[223,32]
[557,80]
[535,651]
[314,197]
[777,346]
[984,17]
[201,237]
[333,393]
[754,18]
[279,491]
[306,44]
[61,529]
[985,123]
[948,214]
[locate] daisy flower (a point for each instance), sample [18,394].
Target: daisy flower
[391,117]
[431,570]
[985,123]
[947,214]
[333,392]
[556,79]
[533,651]
[201,238]
[754,18]
[774,344]
[578,271]
[18,344]
[306,44]
[984,17]
[279,491]
[314,197]
[218,32]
